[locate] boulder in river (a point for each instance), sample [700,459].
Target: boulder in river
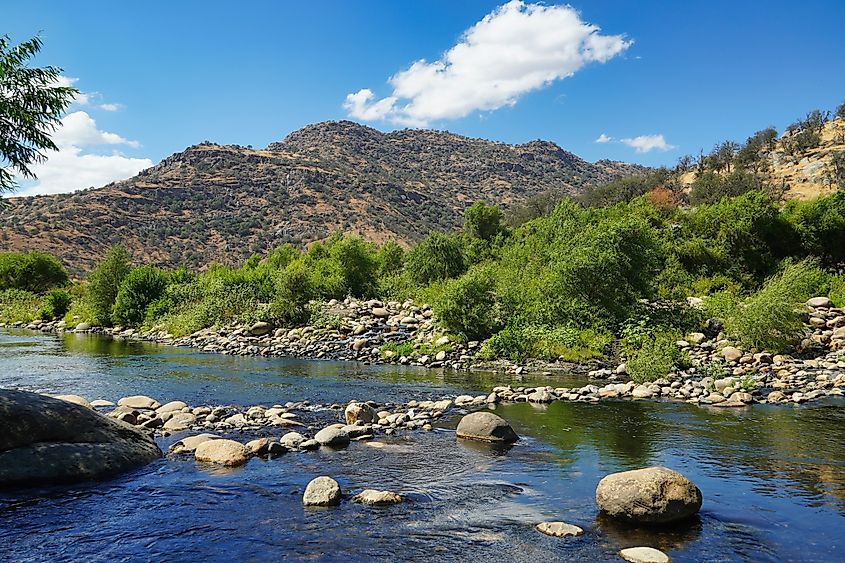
[372,497]
[644,555]
[322,491]
[75,399]
[655,495]
[260,328]
[292,440]
[189,444]
[360,412]
[333,437]
[222,452]
[48,440]
[486,427]
[139,402]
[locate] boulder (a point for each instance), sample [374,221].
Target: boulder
[311,444]
[83,327]
[189,444]
[559,529]
[100,403]
[180,421]
[486,427]
[380,312]
[259,446]
[332,437]
[48,440]
[820,302]
[292,440]
[731,354]
[222,452]
[655,495]
[372,497]
[172,406]
[138,402]
[644,555]
[360,412]
[322,491]
[260,328]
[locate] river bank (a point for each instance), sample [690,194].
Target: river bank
[371,332]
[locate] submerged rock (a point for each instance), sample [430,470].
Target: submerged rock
[559,529]
[655,495]
[322,491]
[644,555]
[48,440]
[372,497]
[486,427]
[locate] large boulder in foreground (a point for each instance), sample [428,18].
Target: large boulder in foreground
[655,495]
[48,440]
[486,427]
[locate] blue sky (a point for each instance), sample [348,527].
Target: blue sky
[160,76]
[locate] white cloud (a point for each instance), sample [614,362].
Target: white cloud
[79,129]
[603,139]
[516,49]
[111,107]
[87,98]
[648,143]
[72,167]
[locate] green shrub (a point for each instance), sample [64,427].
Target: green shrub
[467,306]
[770,319]
[34,271]
[390,259]
[139,288]
[837,291]
[519,341]
[294,290]
[18,305]
[437,257]
[483,221]
[655,358]
[104,283]
[56,304]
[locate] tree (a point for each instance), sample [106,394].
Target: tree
[104,283]
[483,221]
[840,111]
[139,288]
[31,271]
[437,257]
[31,105]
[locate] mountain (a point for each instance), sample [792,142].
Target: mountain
[223,202]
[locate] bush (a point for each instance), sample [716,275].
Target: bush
[467,305]
[18,305]
[34,271]
[655,359]
[519,341]
[293,292]
[104,283]
[141,287]
[483,221]
[770,319]
[56,304]
[437,257]
[390,259]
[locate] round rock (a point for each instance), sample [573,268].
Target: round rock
[222,452]
[360,412]
[138,402]
[332,437]
[486,427]
[655,495]
[322,491]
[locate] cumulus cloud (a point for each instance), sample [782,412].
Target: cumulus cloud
[603,139]
[76,164]
[648,143]
[92,99]
[516,49]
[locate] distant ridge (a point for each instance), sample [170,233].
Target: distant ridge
[224,202]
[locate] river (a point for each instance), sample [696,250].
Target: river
[773,477]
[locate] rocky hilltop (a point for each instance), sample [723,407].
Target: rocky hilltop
[223,202]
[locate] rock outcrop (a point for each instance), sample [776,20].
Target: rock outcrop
[48,440]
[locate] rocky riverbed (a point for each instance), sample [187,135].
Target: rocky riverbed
[720,373]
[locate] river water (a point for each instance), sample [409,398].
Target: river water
[773,478]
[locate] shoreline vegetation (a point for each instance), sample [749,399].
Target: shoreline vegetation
[647,279]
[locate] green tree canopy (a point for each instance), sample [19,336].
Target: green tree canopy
[31,105]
